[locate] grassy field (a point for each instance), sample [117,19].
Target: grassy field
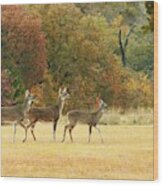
[127,153]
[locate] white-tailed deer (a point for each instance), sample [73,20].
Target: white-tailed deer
[85,117]
[51,113]
[17,113]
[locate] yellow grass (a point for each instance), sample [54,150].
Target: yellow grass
[127,153]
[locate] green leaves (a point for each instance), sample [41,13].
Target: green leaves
[77,45]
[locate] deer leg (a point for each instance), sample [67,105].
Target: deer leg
[90,132]
[22,125]
[70,133]
[54,129]
[64,134]
[99,131]
[25,138]
[32,132]
[14,128]
[26,130]
[14,131]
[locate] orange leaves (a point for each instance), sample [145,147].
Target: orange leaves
[82,53]
[23,43]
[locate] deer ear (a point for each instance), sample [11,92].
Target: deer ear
[27,93]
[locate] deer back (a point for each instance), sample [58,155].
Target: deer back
[86,117]
[80,116]
[12,113]
[43,113]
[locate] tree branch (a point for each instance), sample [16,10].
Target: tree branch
[128,35]
[124,45]
[122,49]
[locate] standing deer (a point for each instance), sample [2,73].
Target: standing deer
[18,112]
[90,118]
[51,113]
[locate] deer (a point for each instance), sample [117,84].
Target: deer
[18,113]
[47,114]
[91,118]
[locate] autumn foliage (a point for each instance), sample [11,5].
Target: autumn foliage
[45,47]
[23,47]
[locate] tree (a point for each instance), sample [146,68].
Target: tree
[123,45]
[150,12]
[6,89]
[23,48]
[140,52]
[84,53]
[87,47]
[78,47]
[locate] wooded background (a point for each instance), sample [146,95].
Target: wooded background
[97,50]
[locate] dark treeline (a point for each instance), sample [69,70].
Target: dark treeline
[96,50]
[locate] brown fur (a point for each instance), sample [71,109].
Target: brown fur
[84,117]
[46,114]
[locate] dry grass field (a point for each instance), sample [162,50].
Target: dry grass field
[127,153]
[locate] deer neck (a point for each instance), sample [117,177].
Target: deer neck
[99,112]
[26,107]
[60,106]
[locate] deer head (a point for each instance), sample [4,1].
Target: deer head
[63,94]
[103,104]
[30,99]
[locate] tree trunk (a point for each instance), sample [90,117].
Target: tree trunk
[123,46]
[123,55]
